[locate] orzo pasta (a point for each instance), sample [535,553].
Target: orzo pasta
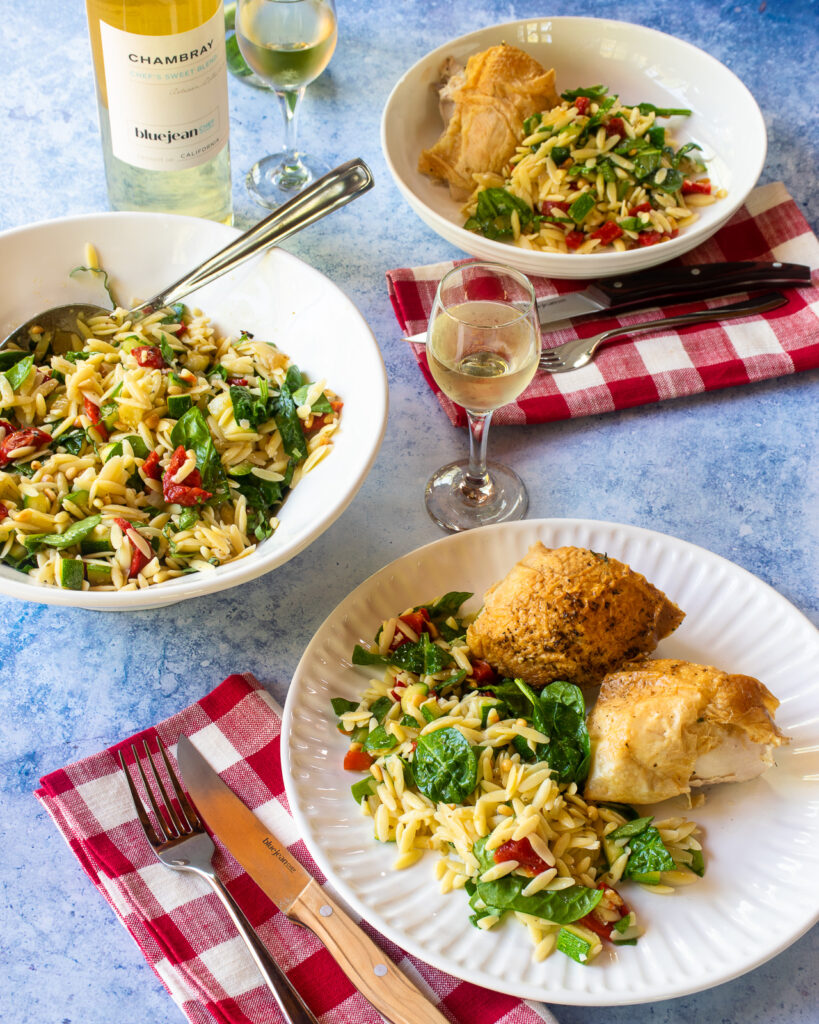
[139,451]
[486,772]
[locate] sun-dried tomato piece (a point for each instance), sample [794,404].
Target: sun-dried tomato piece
[187,492]
[150,467]
[149,355]
[22,439]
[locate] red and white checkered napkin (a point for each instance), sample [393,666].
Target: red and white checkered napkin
[179,923]
[652,368]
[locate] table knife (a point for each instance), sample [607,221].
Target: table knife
[665,284]
[298,895]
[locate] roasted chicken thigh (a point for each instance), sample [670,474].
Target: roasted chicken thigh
[487,103]
[571,614]
[660,727]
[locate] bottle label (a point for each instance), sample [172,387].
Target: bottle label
[167,95]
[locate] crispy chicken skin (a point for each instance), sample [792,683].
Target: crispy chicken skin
[489,100]
[571,614]
[660,727]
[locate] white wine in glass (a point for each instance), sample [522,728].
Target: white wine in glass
[483,344]
[287,43]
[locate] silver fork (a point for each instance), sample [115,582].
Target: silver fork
[576,353]
[181,843]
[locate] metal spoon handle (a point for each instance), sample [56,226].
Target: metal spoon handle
[329,193]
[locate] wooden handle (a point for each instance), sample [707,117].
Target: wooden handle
[374,975]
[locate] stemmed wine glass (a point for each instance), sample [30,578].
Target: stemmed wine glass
[483,344]
[288,43]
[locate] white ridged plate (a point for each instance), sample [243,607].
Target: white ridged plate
[761,837]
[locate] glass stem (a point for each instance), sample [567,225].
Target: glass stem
[477,483]
[292,169]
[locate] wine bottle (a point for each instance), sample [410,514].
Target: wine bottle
[161,81]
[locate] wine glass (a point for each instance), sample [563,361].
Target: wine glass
[483,344]
[288,43]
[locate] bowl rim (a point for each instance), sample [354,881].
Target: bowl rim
[625,261]
[233,573]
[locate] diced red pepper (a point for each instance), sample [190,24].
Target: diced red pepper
[3,511]
[616,127]
[575,239]
[649,238]
[150,467]
[357,760]
[22,439]
[703,187]
[324,418]
[482,671]
[416,620]
[581,104]
[149,355]
[138,557]
[187,493]
[605,929]
[641,208]
[607,232]
[554,204]
[521,851]
[239,381]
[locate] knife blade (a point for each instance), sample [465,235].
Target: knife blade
[665,284]
[298,895]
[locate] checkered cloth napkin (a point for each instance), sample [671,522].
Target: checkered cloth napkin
[652,368]
[177,920]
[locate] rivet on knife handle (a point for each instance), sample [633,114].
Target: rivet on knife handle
[373,974]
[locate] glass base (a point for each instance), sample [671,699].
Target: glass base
[456,504]
[272,181]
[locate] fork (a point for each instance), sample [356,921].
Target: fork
[576,353]
[180,842]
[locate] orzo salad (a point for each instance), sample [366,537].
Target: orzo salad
[488,772]
[593,174]
[139,451]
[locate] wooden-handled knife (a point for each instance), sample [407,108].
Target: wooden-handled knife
[298,895]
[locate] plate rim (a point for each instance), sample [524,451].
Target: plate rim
[495,250]
[408,943]
[246,569]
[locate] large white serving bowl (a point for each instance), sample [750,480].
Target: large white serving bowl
[638,63]
[275,296]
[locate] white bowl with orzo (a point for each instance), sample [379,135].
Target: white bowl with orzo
[189,453]
[640,66]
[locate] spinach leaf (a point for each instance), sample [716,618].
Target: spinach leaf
[251,408]
[10,356]
[560,154]
[445,766]
[593,92]
[683,152]
[294,378]
[559,712]
[71,441]
[73,535]
[76,357]
[631,828]
[379,739]
[649,108]
[493,214]
[422,657]
[672,182]
[697,864]
[514,701]
[21,564]
[447,605]
[187,518]
[380,708]
[361,656]
[648,854]
[18,374]
[321,404]
[191,431]
[289,424]
[341,705]
[168,353]
[530,123]
[561,907]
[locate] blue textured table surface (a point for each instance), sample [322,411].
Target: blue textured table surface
[734,471]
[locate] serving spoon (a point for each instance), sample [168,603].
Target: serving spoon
[334,190]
